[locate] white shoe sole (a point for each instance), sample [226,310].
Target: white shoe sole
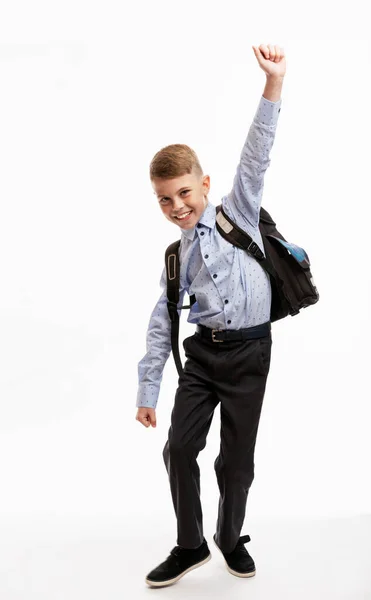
[251,574]
[175,579]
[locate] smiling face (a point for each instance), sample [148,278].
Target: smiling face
[182,199]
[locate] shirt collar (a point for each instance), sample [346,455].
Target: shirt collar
[207,218]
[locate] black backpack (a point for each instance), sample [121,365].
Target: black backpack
[287,265]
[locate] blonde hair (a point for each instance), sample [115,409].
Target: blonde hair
[174,161]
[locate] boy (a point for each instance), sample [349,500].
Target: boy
[228,357]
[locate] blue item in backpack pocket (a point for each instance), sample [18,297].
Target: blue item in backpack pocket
[297,252]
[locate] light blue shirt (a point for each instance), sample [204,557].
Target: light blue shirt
[232,289]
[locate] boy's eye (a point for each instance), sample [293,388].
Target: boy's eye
[164,200]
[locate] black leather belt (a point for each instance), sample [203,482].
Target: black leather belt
[232,335]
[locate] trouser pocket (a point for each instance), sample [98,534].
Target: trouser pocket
[264,353]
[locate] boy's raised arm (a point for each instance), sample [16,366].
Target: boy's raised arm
[244,201]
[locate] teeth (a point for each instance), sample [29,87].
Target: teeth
[184,215]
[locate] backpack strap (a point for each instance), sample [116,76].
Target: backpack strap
[238,237]
[172,275]
[172,264]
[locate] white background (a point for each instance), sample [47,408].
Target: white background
[89,93]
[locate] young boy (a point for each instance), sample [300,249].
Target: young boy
[228,357]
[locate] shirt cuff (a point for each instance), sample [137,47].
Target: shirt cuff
[267,111]
[147,395]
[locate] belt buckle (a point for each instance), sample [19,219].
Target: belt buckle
[213,333]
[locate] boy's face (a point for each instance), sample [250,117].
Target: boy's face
[182,195]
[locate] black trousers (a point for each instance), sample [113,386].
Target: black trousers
[233,373]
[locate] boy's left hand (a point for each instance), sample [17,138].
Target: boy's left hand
[271,59]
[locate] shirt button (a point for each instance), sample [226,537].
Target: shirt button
[215,275]
[202,233]
[225,301]
[199,225]
[229,321]
[206,256]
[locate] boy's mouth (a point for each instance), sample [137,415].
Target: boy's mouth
[184,216]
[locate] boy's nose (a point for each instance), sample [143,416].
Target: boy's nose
[178,204]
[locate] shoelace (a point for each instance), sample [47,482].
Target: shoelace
[177,550]
[240,548]
[175,553]
[244,539]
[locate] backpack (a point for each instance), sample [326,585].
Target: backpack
[287,265]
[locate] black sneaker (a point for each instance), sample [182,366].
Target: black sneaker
[179,562]
[239,561]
